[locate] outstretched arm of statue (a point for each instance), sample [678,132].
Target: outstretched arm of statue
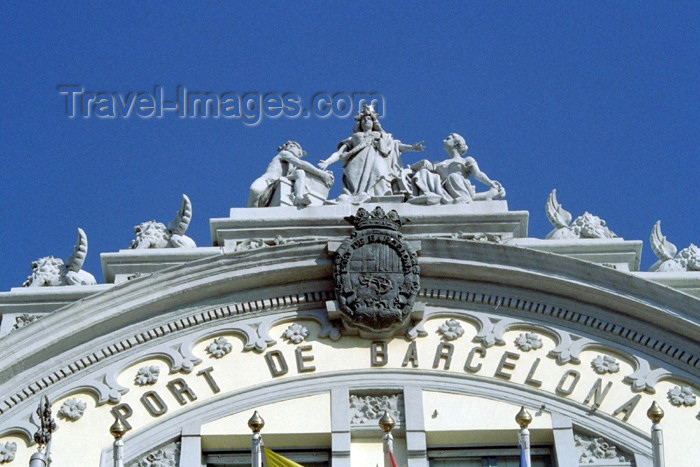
[335,157]
[495,190]
[417,147]
[471,165]
[327,177]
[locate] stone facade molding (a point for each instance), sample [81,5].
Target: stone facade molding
[533,310]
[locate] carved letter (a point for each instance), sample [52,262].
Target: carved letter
[468,364]
[304,358]
[504,364]
[411,356]
[531,375]
[278,369]
[122,412]
[378,353]
[627,407]
[597,393]
[178,387]
[566,391]
[209,379]
[149,398]
[444,351]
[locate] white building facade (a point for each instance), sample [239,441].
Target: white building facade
[183,344]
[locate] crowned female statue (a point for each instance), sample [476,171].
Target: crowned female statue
[371,159]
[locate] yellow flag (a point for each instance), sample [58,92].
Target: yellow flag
[275,460]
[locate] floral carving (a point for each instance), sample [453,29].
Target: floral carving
[72,409]
[166,456]
[250,244]
[451,330]
[605,364]
[681,396]
[24,320]
[592,449]
[528,341]
[367,410]
[296,333]
[7,452]
[219,347]
[147,375]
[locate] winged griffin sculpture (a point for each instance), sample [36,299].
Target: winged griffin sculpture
[152,234]
[49,271]
[585,226]
[687,260]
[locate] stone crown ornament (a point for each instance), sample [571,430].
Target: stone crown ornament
[376,275]
[377,219]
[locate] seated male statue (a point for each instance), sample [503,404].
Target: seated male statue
[288,166]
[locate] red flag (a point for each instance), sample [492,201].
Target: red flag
[392,460]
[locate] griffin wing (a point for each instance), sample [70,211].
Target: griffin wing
[75,261]
[663,249]
[557,215]
[178,226]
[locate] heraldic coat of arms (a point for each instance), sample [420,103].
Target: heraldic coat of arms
[377,277]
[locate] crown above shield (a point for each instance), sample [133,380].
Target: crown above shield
[377,219]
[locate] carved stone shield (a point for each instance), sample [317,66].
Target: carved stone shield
[376,273]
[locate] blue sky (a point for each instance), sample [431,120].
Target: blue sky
[596,99]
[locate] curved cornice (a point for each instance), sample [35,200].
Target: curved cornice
[260,276]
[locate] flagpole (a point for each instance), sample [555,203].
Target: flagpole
[386,423]
[655,414]
[118,430]
[256,423]
[524,418]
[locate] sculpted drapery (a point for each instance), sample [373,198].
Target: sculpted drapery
[371,159]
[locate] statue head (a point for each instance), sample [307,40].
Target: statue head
[367,111]
[454,140]
[690,258]
[150,234]
[293,147]
[590,226]
[45,271]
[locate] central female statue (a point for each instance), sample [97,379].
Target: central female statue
[371,159]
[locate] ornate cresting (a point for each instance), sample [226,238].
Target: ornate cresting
[376,273]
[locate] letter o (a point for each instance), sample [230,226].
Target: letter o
[342,105]
[322,105]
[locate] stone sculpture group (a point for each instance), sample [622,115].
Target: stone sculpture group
[373,171]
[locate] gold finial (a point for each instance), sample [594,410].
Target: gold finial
[118,430]
[655,413]
[256,422]
[387,422]
[523,418]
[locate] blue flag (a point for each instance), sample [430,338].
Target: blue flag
[523,459]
